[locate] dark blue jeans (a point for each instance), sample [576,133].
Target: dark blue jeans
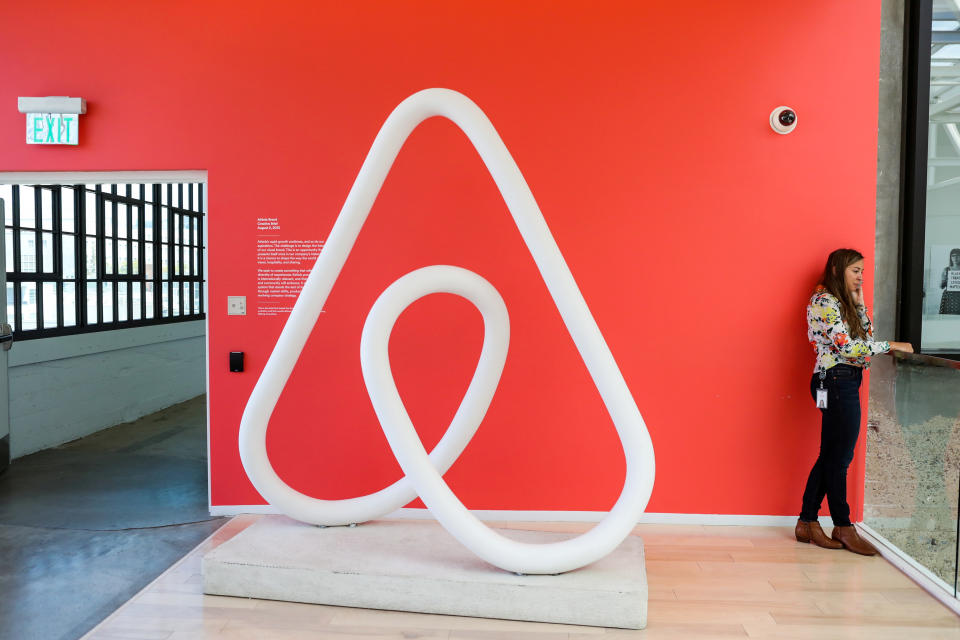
[839,429]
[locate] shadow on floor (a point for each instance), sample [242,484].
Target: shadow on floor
[85,526]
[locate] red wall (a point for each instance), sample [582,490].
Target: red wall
[694,232]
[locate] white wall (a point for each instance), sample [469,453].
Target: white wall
[68,387]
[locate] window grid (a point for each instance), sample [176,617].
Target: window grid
[88,257]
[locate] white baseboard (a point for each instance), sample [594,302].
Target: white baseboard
[240,509]
[717,519]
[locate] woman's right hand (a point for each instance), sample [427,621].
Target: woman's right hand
[901,346]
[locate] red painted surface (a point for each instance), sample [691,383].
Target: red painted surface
[694,232]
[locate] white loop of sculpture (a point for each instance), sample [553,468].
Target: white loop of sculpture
[423,473]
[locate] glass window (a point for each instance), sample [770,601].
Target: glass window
[109,213]
[148,259]
[136,299]
[11,303]
[69,258]
[92,303]
[111,232]
[28,207]
[48,251]
[8,239]
[107,299]
[69,304]
[46,209]
[91,258]
[67,212]
[148,310]
[90,206]
[122,211]
[49,305]
[28,305]
[122,262]
[940,326]
[148,224]
[28,251]
[122,301]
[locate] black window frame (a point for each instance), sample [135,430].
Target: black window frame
[17,278]
[913,207]
[148,200]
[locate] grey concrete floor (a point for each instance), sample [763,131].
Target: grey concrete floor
[85,526]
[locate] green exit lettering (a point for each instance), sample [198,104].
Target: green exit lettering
[53,128]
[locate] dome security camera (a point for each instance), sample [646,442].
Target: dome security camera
[783,120]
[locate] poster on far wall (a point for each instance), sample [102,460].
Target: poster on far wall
[941,317]
[945,278]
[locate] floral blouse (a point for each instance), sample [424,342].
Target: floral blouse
[830,336]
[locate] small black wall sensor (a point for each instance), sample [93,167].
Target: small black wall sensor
[236,361]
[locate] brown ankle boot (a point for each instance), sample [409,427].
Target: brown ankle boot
[802,531]
[811,532]
[849,537]
[819,538]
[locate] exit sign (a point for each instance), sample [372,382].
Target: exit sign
[53,128]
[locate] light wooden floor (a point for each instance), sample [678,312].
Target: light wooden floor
[705,582]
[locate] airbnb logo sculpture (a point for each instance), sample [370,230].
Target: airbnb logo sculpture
[424,472]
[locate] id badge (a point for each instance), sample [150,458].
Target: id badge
[821,398]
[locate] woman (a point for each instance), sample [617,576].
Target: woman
[950,300]
[840,331]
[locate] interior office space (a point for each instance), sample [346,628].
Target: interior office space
[216,145]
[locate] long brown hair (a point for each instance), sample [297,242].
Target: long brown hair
[834,281]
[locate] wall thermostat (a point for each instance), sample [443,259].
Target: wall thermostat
[236,305]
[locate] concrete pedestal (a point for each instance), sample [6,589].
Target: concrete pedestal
[417,566]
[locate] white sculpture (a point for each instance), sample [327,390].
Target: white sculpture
[424,472]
